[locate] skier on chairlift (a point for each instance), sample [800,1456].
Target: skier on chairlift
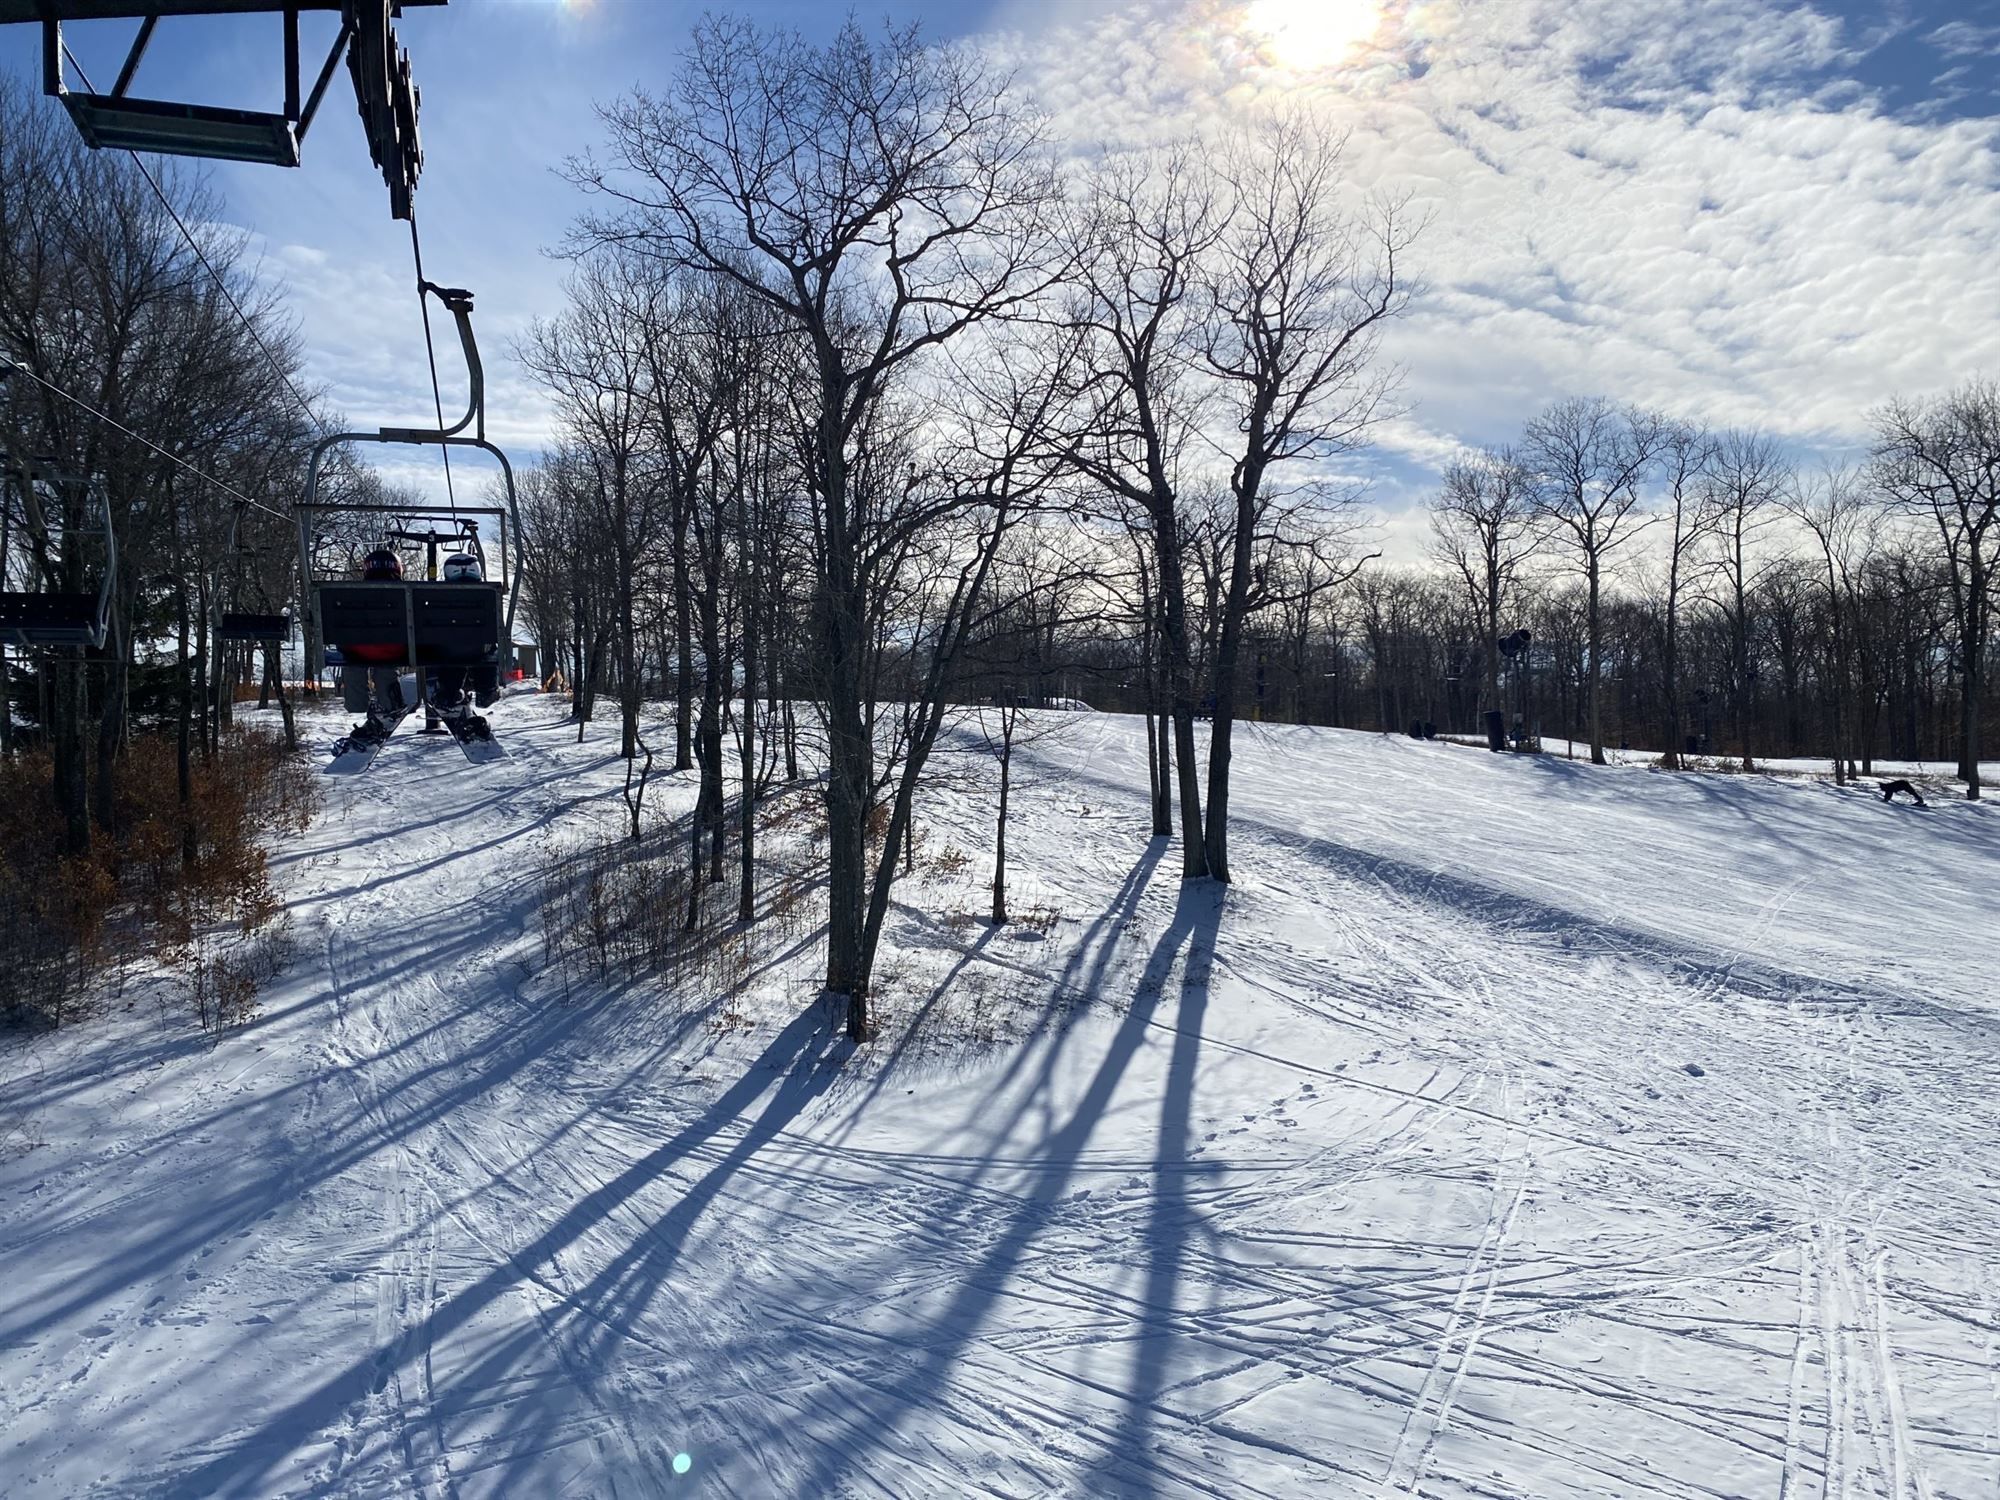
[369,682]
[448,687]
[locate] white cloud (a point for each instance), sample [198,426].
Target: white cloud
[1654,203]
[1688,204]
[1965,39]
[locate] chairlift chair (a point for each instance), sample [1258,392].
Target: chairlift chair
[244,626]
[418,623]
[377,64]
[49,620]
[248,625]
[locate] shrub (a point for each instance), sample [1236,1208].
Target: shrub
[188,881]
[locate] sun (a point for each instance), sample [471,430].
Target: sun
[1308,35]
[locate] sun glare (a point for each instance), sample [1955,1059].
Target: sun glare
[1307,35]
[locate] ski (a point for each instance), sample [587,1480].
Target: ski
[474,736]
[355,751]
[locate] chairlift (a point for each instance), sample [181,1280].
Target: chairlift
[50,620]
[247,625]
[243,626]
[427,622]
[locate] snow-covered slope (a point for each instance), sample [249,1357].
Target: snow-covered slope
[1512,1128]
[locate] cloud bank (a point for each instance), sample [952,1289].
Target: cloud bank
[1695,206]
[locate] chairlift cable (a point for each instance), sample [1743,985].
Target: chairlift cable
[199,473]
[221,285]
[430,349]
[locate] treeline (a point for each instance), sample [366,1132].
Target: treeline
[873,406]
[1743,606]
[151,377]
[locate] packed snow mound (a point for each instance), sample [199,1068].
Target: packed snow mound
[1512,1127]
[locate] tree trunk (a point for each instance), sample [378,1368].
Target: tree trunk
[111,725]
[1158,779]
[1180,684]
[1493,633]
[198,639]
[184,738]
[1973,678]
[70,781]
[1000,824]
[1672,671]
[628,650]
[849,748]
[1740,649]
[695,882]
[708,750]
[1154,790]
[274,677]
[683,642]
[1596,669]
[746,740]
[1228,655]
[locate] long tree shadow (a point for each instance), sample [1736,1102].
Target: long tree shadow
[367,1129]
[805,1057]
[1172,1220]
[418,1098]
[1089,964]
[1708,970]
[870,1422]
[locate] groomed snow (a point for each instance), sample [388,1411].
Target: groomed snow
[1512,1128]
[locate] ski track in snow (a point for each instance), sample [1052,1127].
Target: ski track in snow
[1511,1129]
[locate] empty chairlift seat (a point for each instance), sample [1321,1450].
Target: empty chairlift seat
[46,620]
[249,627]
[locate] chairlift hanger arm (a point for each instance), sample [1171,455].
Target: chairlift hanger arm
[458,302]
[384,92]
[139,50]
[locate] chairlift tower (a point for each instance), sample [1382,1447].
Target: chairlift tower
[377,64]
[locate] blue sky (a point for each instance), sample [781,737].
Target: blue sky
[1743,210]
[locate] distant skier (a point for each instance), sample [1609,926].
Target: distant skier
[1890,788]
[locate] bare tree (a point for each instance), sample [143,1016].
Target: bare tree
[1589,460]
[1687,509]
[1482,530]
[1939,461]
[883,196]
[1148,220]
[1746,475]
[1038,599]
[594,358]
[1831,506]
[1298,292]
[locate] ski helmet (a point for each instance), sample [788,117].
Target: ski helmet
[462,567]
[382,566]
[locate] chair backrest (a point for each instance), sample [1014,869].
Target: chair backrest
[44,620]
[249,627]
[455,624]
[366,614]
